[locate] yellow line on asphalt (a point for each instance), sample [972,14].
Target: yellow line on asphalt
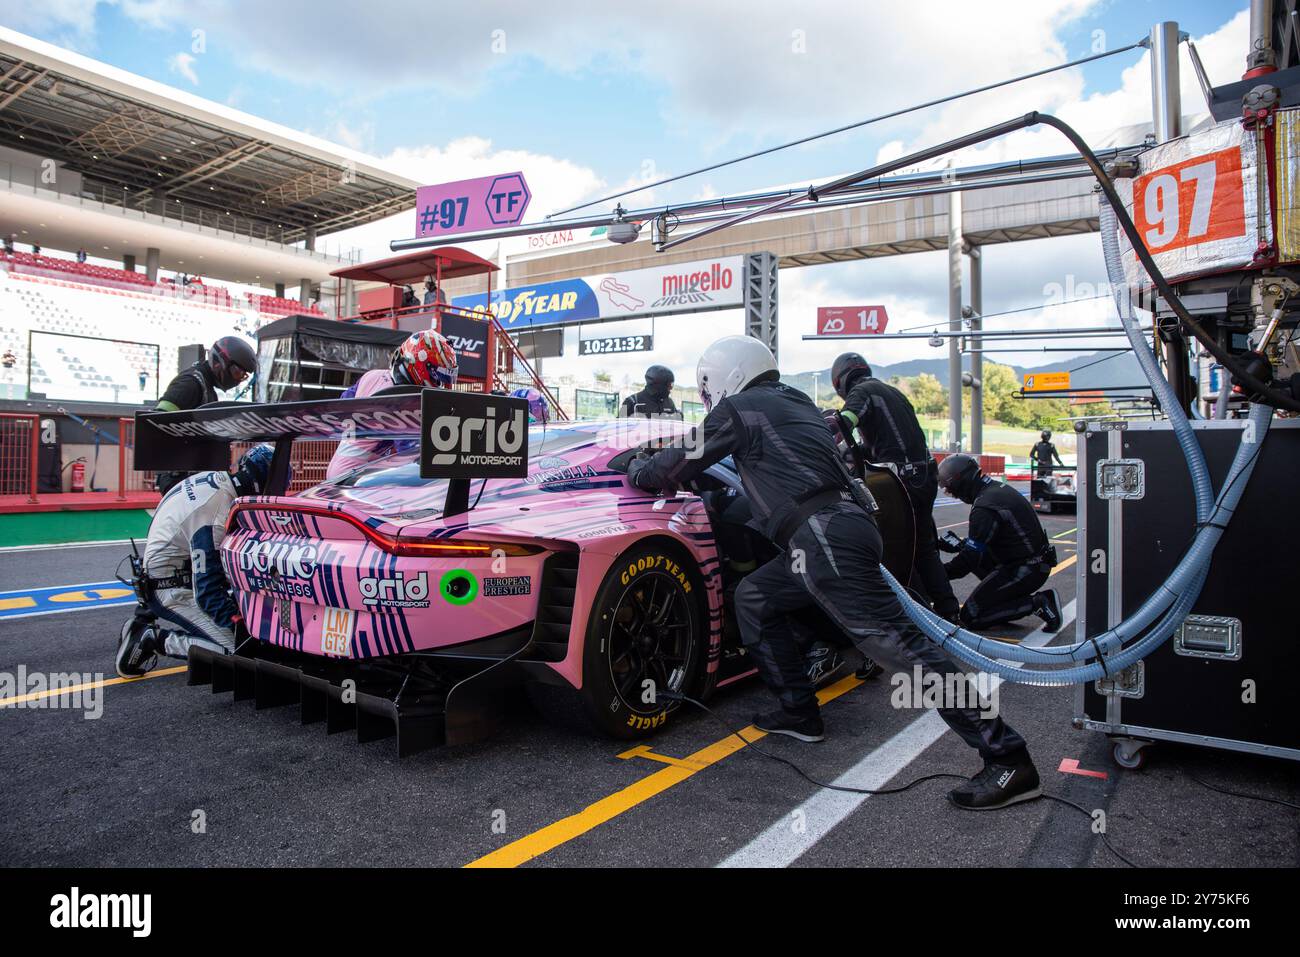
[562,831]
[1064,565]
[71,689]
[607,808]
[1066,532]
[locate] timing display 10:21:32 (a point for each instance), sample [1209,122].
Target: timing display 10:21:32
[611,344]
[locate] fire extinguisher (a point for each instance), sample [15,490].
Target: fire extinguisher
[79,475]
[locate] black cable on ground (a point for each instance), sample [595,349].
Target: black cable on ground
[873,792]
[1242,794]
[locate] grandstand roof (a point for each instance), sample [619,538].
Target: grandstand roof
[137,141]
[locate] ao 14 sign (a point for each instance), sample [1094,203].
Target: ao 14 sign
[851,320]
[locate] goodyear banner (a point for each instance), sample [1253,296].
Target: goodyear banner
[660,291]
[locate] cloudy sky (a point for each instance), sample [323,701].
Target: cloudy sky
[589,99]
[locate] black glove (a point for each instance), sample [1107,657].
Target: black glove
[636,472]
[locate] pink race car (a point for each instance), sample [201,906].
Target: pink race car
[372,610]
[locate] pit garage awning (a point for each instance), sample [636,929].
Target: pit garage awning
[449,262]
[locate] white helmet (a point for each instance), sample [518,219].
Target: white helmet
[729,365]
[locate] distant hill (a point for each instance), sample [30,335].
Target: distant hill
[1117,369]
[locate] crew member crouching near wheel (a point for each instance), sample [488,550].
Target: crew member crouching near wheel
[427,360]
[805,501]
[188,596]
[1005,546]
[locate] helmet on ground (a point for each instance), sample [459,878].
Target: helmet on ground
[538,410]
[659,381]
[731,365]
[232,360]
[253,473]
[846,371]
[1046,435]
[960,475]
[425,359]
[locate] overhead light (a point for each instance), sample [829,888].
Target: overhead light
[936,340]
[620,230]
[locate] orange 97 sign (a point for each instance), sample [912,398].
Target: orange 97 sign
[1195,201]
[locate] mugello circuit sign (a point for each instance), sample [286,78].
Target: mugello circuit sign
[662,290]
[469,205]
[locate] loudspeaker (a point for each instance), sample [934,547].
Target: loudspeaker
[186,356]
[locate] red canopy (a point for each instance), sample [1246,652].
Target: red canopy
[413,267]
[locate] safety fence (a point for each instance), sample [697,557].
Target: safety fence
[308,461]
[128,479]
[19,454]
[995,465]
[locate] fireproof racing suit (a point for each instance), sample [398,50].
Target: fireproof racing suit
[354,453]
[648,404]
[802,500]
[891,433]
[1007,547]
[185,543]
[1041,456]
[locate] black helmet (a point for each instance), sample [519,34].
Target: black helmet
[1046,435]
[659,381]
[846,370]
[960,475]
[253,473]
[227,356]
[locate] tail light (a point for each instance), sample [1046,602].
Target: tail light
[395,544]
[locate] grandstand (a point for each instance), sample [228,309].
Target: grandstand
[158,180]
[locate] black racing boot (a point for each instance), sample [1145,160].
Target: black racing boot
[821,662]
[137,651]
[868,670]
[1047,606]
[802,727]
[998,785]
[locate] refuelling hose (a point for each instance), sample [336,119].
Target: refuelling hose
[1165,609]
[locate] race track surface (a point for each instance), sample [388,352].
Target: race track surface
[127,787]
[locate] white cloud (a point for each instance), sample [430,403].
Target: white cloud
[183,64]
[742,69]
[71,22]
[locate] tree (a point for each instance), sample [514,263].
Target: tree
[926,394]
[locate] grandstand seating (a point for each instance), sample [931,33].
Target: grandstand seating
[82,369]
[54,267]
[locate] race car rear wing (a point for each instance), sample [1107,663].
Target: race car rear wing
[463,435]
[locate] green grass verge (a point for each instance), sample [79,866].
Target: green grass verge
[52,528]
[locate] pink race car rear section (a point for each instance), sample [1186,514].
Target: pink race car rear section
[372,608]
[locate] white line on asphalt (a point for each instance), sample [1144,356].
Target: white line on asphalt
[785,841]
[40,548]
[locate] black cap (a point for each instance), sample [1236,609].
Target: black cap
[659,380]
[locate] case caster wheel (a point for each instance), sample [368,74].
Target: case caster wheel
[1130,754]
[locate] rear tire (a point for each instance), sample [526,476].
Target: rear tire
[646,634]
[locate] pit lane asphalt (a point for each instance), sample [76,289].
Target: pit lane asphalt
[124,789]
